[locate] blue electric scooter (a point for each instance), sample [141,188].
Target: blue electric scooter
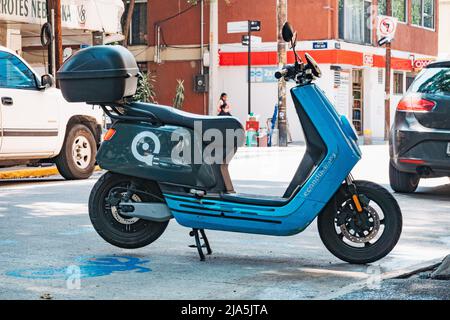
[151,178]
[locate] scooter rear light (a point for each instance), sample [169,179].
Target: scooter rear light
[415,104]
[109,134]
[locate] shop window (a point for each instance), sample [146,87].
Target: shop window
[355,21]
[398,9]
[409,80]
[422,13]
[380,76]
[138,29]
[398,83]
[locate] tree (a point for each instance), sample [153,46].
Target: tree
[179,95]
[127,23]
[146,89]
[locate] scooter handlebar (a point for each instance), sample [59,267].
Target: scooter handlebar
[281,74]
[288,72]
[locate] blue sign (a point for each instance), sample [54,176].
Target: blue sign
[320,45]
[263,75]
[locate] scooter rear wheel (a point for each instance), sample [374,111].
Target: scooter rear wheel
[117,229]
[365,237]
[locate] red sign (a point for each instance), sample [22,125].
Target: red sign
[419,64]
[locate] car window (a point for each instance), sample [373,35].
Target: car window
[432,81]
[14,73]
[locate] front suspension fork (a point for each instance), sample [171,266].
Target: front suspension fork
[354,193]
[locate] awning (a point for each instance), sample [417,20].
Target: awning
[90,15]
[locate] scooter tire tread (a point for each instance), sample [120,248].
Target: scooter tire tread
[153,229]
[383,246]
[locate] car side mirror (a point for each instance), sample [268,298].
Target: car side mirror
[47,81]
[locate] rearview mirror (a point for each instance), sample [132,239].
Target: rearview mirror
[287,32]
[47,81]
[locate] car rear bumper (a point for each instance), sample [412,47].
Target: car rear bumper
[416,149]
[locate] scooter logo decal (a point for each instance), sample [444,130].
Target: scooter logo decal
[319,175]
[140,147]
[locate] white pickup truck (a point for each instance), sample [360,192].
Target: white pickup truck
[38,126]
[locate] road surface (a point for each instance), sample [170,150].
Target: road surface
[46,242]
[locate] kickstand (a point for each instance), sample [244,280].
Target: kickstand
[195,233]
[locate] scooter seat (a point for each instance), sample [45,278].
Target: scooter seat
[172,116]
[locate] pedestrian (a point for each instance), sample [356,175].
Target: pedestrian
[223,108]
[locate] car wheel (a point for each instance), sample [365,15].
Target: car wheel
[403,182]
[77,157]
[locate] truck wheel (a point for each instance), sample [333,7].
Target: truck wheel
[403,182]
[115,228]
[77,157]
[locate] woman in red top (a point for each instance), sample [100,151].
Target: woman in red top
[223,109]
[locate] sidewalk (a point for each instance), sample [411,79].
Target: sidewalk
[22,172]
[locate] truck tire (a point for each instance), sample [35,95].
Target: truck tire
[77,157]
[403,182]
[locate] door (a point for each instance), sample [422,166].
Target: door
[358,101]
[29,115]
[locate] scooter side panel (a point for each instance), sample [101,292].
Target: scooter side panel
[149,156]
[303,208]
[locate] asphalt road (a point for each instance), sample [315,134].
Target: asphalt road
[46,241]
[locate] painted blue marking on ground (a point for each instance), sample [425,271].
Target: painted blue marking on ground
[8,242]
[77,232]
[89,266]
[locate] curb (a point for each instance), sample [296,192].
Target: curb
[32,173]
[395,274]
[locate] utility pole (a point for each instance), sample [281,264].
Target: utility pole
[213,54]
[282,60]
[249,68]
[54,17]
[127,26]
[387,101]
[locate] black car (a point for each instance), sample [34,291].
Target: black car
[420,137]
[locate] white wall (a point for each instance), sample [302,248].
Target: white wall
[233,81]
[444,28]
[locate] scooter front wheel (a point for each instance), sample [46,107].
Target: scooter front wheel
[117,229]
[361,237]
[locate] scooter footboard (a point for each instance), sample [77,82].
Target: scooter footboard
[213,214]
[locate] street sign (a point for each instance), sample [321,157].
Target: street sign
[255,26]
[263,75]
[320,45]
[237,27]
[254,39]
[420,63]
[243,26]
[368,60]
[386,27]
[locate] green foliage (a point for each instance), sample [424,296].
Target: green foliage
[146,89]
[179,95]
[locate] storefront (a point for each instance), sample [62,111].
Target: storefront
[353,79]
[21,22]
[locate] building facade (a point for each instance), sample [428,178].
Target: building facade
[339,34]
[444,24]
[22,20]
